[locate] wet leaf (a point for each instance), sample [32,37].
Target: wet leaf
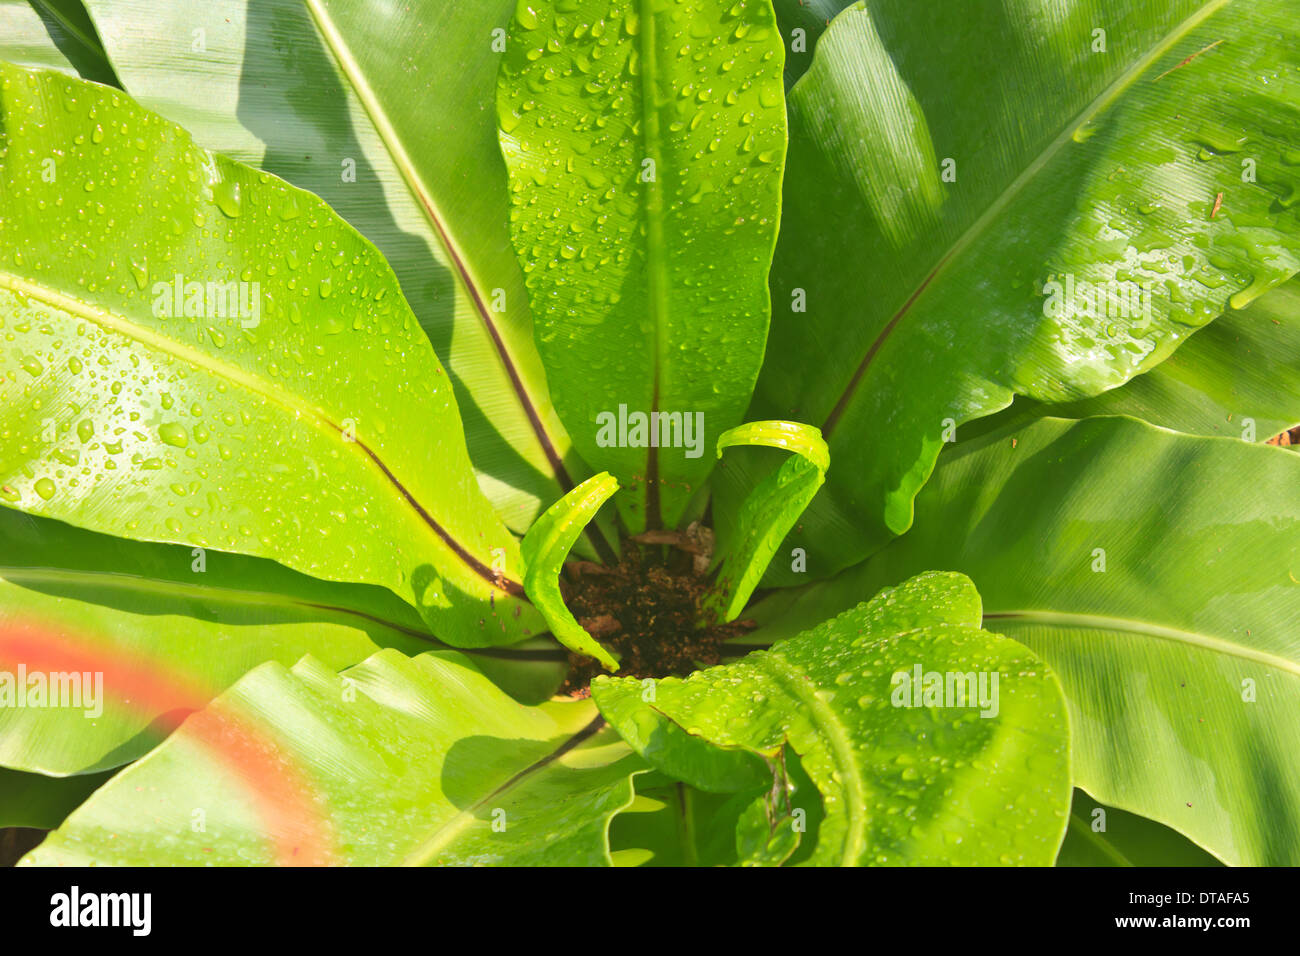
[385,111]
[1030,193]
[645,144]
[196,352]
[977,775]
[1159,575]
[411,761]
[545,548]
[769,512]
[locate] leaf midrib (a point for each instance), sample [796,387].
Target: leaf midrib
[1104,846]
[136,583]
[1107,623]
[291,403]
[1031,171]
[350,71]
[652,205]
[22,576]
[464,818]
[75,32]
[796,683]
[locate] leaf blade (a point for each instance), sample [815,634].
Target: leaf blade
[1156,652]
[749,538]
[452,772]
[544,550]
[208,396]
[157,630]
[1067,193]
[1123,839]
[39,802]
[1233,378]
[670,155]
[400,92]
[897,784]
[52,35]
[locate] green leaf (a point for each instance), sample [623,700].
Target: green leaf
[167,627]
[765,836]
[42,803]
[300,416]
[1193,613]
[766,516]
[630,709]
[400,760]
[385,112]
[645,144]
[544,549]
[900,783]
[52,35]
[1115,838]
[672,824]
[1067,161]
[812,17]
[1237,377]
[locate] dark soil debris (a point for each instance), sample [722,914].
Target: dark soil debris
[646,610]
